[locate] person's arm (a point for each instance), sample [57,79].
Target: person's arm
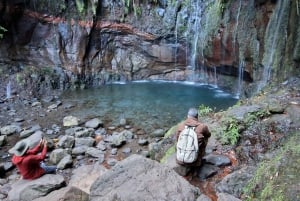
[36,149]
[206,132]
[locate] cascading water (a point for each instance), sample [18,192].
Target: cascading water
[241,63]
[193,36]
[8,90]
[273,36]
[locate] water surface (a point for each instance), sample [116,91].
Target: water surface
[146,104]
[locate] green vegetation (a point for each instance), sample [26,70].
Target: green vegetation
[80,6]
[2,30]
[204,110]
[168,153]
[231,132]
[278,178]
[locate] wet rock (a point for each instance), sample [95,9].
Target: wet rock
[207,171]
[217,160]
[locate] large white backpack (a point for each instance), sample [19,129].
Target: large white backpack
[187,145]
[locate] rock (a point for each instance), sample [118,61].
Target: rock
[79,150]
[10,129]
[91,151]
[236,181]
[29,131]
[66,141]
[181,170]
[158,133]
[227,197]
[3,140]
[84,176]
[69,121]
[207,171]
[203,198]
[65,162]
[27,190]
[94,123]
[85,141]
[69,193]
[56,155]
[139,178]
[217,160]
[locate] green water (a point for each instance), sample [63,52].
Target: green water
[146,104]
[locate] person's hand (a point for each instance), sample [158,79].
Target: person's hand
[44,142]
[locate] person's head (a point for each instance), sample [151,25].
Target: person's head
[193,112]
[20,148]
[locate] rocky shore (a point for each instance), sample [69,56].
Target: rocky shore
[100,161]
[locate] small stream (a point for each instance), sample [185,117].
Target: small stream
[146,104]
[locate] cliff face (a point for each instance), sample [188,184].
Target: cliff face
[94,42]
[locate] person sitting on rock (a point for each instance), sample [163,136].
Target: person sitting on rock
[202,132]
[29,161]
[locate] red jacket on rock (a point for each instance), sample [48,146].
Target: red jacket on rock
[29,163]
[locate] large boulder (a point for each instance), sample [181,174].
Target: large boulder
[27,190]
[139,178]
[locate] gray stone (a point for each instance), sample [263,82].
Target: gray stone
[27,190]
[10,129]
[139,178]
[56,155]
[65,162]
[227,197]
[236,181]
[217,160]
[69,121]
[94,123]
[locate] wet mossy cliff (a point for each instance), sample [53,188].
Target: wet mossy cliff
[240,45]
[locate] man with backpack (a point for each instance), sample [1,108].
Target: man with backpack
[192,137]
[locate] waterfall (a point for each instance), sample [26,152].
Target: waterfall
[275,27]
[195,30]
[8,90]
[240,78]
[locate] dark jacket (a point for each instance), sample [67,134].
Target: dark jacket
[203,134]
[29,163]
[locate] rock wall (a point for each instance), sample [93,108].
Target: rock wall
[239,45]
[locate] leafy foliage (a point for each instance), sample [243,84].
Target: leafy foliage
[231,132]
[204,110]
[2,30]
